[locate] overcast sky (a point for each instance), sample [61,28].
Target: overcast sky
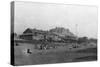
[46,16]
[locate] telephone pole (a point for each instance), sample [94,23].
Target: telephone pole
[76,29]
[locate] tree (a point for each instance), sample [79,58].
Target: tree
[82,39]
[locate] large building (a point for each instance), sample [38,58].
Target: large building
[56,34]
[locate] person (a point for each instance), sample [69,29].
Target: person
[29,51]
[17,44]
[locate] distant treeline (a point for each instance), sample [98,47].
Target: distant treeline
[86,39]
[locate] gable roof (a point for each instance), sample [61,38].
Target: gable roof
[29,31]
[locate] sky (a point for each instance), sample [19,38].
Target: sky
[46,16]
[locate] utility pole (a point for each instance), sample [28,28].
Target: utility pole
[76,33]
[76,29]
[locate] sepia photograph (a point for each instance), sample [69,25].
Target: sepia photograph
[49,33]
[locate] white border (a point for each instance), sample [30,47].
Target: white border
[5,33]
